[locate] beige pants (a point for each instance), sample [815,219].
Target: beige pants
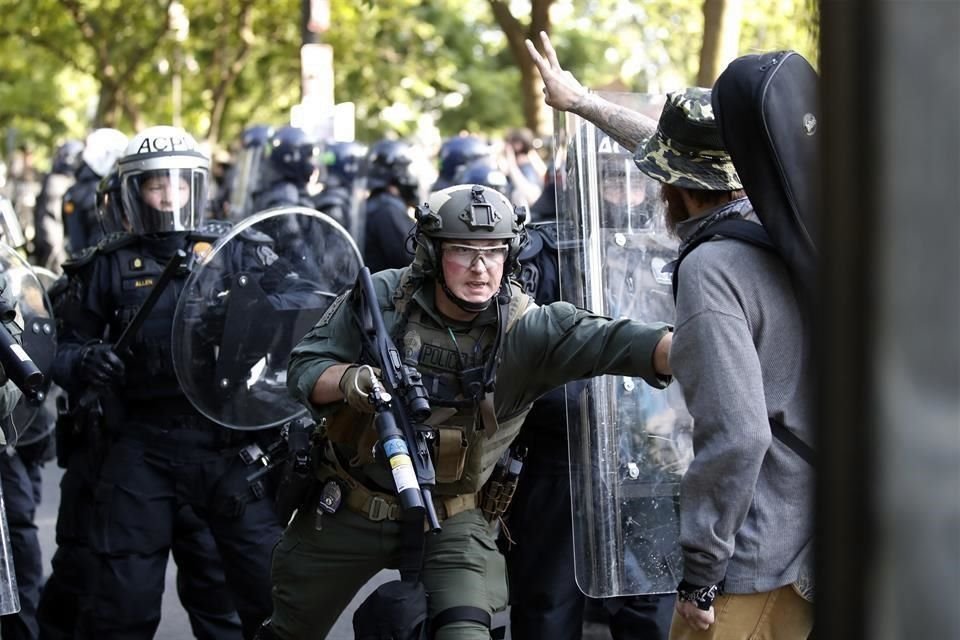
[775,615]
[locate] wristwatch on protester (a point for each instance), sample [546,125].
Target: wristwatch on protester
[703,597]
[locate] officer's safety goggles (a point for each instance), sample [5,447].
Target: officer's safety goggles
[466,255]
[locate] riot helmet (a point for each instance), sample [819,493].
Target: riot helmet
[391,163]
[258,135]
[67,158]
[293,156]
[109,204]
[467,212]
[628,198]
[483,171]
[343,161]
[102,148]
[163,181]
[456,153]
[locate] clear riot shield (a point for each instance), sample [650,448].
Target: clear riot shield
[248,301]
[629,443]
[32,421]
[358,210]
[246,179]
[39,337]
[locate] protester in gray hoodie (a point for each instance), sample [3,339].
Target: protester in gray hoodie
[742,356]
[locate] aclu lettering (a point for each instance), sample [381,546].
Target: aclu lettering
[165,143]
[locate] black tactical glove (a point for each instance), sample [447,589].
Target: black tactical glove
[100,366]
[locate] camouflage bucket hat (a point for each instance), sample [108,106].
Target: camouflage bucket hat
[687,150]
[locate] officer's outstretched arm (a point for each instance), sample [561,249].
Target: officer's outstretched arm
[661,355]
[563,92]
[327,387]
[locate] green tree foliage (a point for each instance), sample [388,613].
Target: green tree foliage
[68,65]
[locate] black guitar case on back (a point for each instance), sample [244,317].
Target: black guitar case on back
[768,109]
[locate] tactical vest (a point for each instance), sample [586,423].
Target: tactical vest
[449,360]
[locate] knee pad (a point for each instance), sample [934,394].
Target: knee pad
[460,614]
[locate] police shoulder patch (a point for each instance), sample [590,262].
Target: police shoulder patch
[332,309]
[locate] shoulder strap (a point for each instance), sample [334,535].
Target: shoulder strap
[790,439]
[736,228]
[519,303]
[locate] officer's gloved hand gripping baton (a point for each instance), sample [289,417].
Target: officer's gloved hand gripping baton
[129,332]
[400,403]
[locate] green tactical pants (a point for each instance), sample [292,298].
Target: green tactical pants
[316,573]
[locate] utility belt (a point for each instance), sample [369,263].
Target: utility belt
[375,505]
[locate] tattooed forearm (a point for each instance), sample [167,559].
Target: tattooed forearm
[628,127]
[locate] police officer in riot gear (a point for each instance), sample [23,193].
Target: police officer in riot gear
[394,188]
[200,578]
[156,453]
[455,153]
[485,352]
[544,597]
[293,163]
[343,162]
[100,151]
[48,242]
[244,177]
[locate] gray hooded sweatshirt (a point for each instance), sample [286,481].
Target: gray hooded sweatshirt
[741,355]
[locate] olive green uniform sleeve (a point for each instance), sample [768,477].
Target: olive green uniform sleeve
[559,343]
[335,339]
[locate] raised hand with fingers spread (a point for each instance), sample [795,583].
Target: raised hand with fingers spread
[562,91]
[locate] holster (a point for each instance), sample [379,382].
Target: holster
[66,433]
[297,483]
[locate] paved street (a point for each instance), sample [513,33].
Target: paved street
[174,625]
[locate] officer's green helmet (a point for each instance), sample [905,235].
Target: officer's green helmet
[468,212]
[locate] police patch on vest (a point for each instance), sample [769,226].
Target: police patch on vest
[442,359]
[68,207]
[136,264]
[332,309]
[266,255]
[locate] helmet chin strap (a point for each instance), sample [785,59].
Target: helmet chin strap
[466,305]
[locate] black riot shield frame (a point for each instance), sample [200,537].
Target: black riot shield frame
[629,443]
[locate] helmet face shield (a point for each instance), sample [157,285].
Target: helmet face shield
[163,181]
[165,200]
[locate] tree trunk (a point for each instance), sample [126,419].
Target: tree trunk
[230,70]
[534,109]
[721,35]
